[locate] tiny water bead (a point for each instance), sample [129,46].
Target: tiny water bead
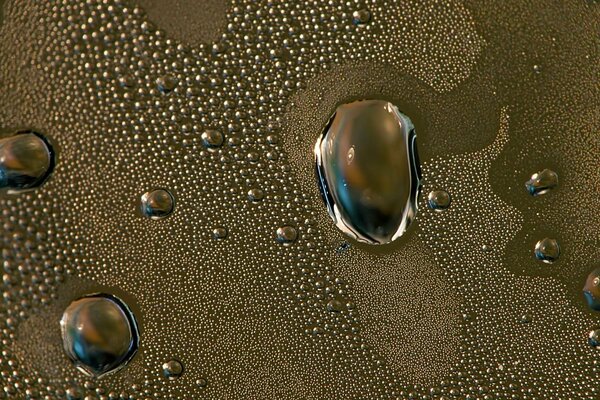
[99,333]
[591,290]
[361,17]
[172,369]
[286,234]
[542,182]
[212,139]
[255,195]
[368,170]
[166,83]
[438,200]
[26,161]
[547,250]
[594,338]
[157,204]
[219,233]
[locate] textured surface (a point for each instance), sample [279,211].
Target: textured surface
[457,308]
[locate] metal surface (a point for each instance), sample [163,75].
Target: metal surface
[248,290]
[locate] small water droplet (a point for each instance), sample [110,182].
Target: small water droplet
[335,305]
[255,195]
[26,161]
[202,383]
[219,233]
[368,170]
[542,182]
[594,338]
[361,17]
[166,83]
[157,204]
[287,234]
[343,248]
[172,369]
[547,250]
[99,334]
[526,318]
[591,289]
[212,139]
[75,393]
[439,200]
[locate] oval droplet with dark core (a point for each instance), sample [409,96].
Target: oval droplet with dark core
[368,170]
[99,334]
[26,161]
[157,204]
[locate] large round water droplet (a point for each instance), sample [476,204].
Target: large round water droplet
[26,161]
[99,334]
[368,170]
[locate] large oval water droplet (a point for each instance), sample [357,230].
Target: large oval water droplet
[368,170]
[26,161]
[99,334]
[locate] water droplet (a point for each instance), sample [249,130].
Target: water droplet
[212,139]
[157,204]
[201,382]
[438,200]
[368,170]
[172,369]
[75,393]
[547,250]
[219,233]
[594,338]
[287,234]
[335,305]
[526,318]
[255,195]
[542,182]
[26,161]
[361,17]
[591,290]
[343,248]
[99,334]
[166,83]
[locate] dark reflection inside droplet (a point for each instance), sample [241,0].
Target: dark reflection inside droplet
[368,170]
[26,161]
[100,334]
[157,204]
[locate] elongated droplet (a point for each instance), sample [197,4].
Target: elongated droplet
[542,182]
[368,170]
[26,161]
[99,333]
